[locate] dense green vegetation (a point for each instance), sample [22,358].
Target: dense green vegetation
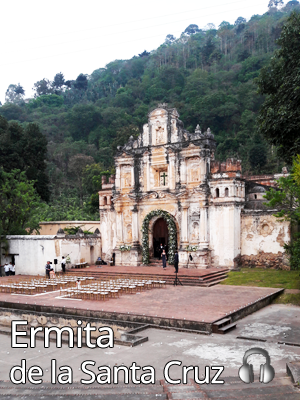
[279,121]
[208,75]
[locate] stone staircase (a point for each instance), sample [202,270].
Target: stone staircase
[223,326]
[206,280]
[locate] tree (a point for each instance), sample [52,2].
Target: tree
[15,94]
[42,87]
[81,82]
[210,26]
[239,21]
[287,200]
[144,54]
[26,150]
[224,25]
[292,4]
[76,167]
[58,81]
[191,30]
[279,117]
[92,181]
[275,3]
[82,119]
[18,204]
[12,111]
[170,39]
[258,156]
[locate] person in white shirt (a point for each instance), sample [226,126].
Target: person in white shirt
[63,264]
[6,269]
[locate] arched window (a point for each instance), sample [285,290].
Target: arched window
[226,192]
[217,192]
[104,201]
[255,196]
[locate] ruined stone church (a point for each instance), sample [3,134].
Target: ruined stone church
[169,189]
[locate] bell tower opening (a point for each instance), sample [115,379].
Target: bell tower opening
[160,236]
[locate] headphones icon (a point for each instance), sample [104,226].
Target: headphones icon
[267,372]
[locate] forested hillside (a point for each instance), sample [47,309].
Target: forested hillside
[208,75]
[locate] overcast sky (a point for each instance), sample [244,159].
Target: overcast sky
[40,37]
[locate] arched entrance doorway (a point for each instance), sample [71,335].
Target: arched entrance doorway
[160,236]
[147,234]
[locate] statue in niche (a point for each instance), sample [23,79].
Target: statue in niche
[159,133]
[127,180]
[195,232]
[194,175]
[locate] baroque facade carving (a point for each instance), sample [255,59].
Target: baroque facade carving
[167,168]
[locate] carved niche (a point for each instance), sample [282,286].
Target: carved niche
[159,133]
[129,233]
[194,224]
[126,176]
[194,172]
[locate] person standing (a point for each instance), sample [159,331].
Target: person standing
[13,269]
[161,249]
[10,268]
[48,269]
[6,269]
[176,261]
[164,259]
[63,264]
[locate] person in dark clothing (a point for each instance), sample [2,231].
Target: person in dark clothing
[176,261]
[48,269]
[63,264]
[164,259]
[161,249]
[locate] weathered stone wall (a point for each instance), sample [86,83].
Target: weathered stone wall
[35,319]
[262,240]
[264,260]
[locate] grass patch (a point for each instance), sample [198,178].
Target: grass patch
[264,278]
[288,298]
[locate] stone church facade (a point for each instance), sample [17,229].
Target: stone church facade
[169,189]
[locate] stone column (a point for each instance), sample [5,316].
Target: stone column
[119,222]
[132,176]
[183,172]
[135,226]
[171,171]
[118,177]
[203,243]
[184,226]
[148,172]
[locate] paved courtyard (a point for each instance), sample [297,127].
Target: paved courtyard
[270,323]
[179,302]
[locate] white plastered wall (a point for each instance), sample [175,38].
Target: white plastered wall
[224,224]
[108,231]
[32,252]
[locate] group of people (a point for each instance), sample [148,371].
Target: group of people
[50,273]
[164,260]
[9,269]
